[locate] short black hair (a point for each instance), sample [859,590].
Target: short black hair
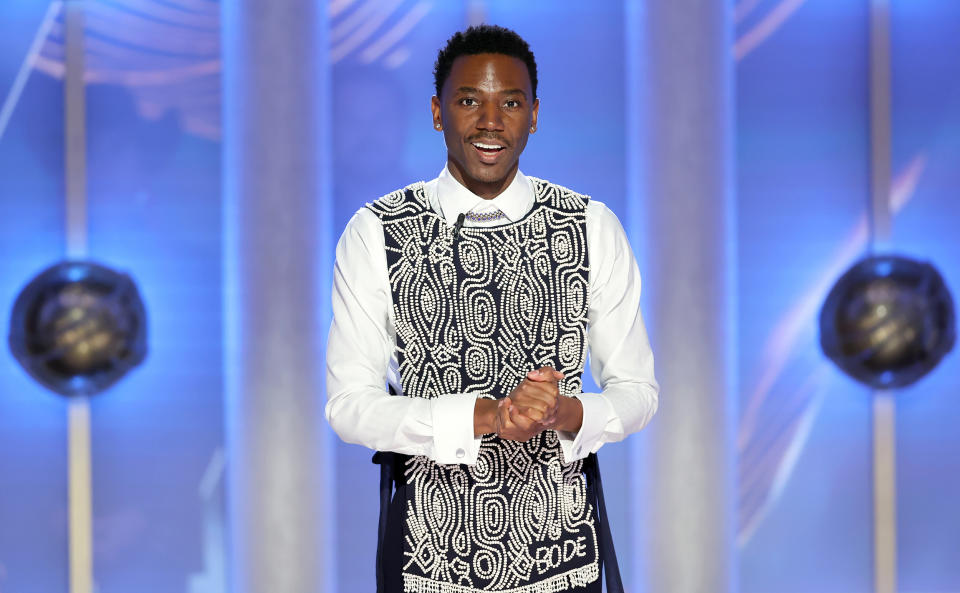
[484,39]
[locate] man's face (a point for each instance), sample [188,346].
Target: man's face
[486,110]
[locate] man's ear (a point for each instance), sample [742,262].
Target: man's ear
[435,110]
[533,117]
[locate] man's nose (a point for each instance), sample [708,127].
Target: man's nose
[491,117]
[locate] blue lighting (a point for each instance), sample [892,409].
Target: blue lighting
[884,268]
[76,272]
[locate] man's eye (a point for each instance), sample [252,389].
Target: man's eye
[468,101]
[512,104]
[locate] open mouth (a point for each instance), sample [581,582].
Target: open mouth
[488,150]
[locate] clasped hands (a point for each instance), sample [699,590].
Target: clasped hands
[533,406]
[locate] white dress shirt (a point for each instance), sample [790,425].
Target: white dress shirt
[361,350]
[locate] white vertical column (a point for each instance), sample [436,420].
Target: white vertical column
[884,492]
[681,135]
[80,485]
[276,279]
[75,129]
[884,404]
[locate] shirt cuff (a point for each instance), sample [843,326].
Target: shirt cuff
[452,419]
[596,410]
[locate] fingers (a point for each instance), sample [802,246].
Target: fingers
[545,373]
[538,412]
[550,418]
[544,397]
[513,424]
[548,389]
[534,404]
[532,413]
[519,420]
[528,390]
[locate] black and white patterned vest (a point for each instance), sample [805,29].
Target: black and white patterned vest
[474,313]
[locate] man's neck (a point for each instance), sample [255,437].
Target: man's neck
[485,190]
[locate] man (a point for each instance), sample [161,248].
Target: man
[477,296]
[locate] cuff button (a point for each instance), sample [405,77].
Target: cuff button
[460,453]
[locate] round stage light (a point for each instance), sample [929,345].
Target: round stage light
[78,327]
[888,321]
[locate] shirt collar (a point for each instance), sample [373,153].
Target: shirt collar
[455,199]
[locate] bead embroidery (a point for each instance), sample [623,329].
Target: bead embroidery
[484,216]
[473,314]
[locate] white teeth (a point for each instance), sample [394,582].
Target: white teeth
[487,146]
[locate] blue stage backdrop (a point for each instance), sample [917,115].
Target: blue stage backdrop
[33,462]
[926,132]
[803,193]
[805,507]
[804,518]
[154,212]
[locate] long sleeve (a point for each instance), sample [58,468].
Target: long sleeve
[620,356]
[359,363]
[361,354]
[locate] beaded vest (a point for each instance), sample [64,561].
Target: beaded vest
[475,311]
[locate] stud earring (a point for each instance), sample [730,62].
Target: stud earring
[437,126]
